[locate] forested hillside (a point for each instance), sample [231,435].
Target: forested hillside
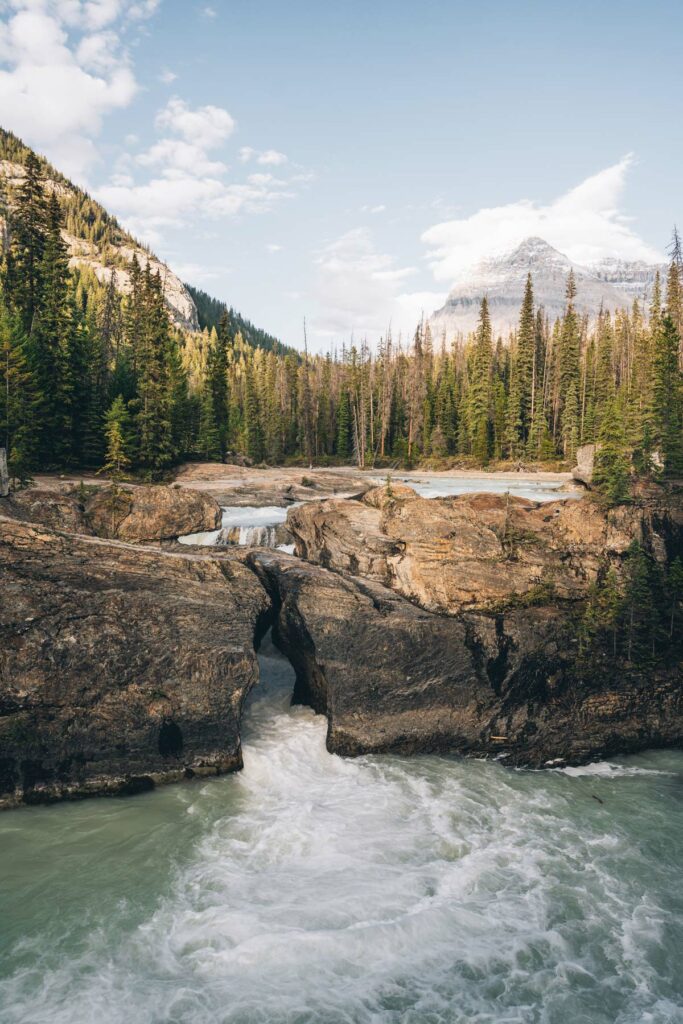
[90,377]
[211,312]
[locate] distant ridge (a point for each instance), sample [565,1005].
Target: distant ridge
[612,284]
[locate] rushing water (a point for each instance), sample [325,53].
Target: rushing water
[309,889]
[255,525]
[445,486]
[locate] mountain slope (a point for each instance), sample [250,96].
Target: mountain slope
[613,284]
[93,237]
[210,312]
[96,241]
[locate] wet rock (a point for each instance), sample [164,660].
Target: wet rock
[120,667]
[394,678]
[154,513]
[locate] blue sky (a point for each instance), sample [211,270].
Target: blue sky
[347,162]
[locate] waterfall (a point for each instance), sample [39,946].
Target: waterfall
[257,536]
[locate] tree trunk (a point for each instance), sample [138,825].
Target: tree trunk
[4,474]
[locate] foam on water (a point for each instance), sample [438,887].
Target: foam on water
[254,523]
[309,889]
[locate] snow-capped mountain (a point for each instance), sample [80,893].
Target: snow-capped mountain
[612,283]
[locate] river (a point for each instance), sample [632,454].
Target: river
[309,889]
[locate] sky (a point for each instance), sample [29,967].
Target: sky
[348,162]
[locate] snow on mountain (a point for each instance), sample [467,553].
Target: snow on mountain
[612,283]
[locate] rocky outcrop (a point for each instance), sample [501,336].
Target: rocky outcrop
[48,507]
[474,551]
[153,513]
[392,677]
[585,463]
[120,667]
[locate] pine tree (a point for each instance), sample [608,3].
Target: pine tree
[154,406]
[28,229]
[252,419]
[208,443]
[51,344]
[570,423]
[117,432]
[344,426]
[667,399]
[479,413]
[524,376]
[611,471]
[17,400]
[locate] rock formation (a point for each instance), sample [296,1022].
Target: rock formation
[151,513]
[609,284]
[393,678]
[137,515]
[49,508]
[415,625]
[475,550]
[120,666]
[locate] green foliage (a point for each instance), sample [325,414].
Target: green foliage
[212,312]
[611,472]
[118,434]
[632,616]
[75,353]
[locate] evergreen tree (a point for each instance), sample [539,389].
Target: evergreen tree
[51,346]
[208,444]
[667,399]
[479,413]
[117,431]
[611,471]
[252,419]
[17,400]
[28,229]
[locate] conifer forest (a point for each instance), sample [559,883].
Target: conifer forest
[92,378]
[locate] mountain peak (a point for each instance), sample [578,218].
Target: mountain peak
[612,285]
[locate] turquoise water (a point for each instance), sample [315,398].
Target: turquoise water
[309,889]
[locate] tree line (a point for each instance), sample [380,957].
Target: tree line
[90,377]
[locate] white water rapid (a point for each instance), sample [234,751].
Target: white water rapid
[309,889]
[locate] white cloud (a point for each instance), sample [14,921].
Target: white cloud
[175,155]
[267,157]
[274,247]
[380,208]
[189,181]
[167,76]
[362,291]
[209,12]
[271,158]
[204,126]
[63,69]
[585,224]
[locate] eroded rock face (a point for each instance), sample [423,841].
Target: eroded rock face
[475,550]
[151,513]
[50,508]
[392,677]
[120,667]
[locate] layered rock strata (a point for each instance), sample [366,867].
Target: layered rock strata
[120,667]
